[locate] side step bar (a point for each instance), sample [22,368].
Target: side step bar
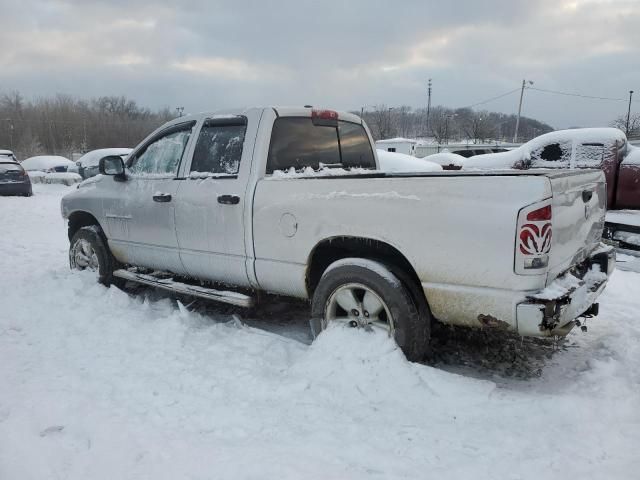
[234,298]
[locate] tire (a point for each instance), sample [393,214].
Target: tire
[354,278]
[88,250]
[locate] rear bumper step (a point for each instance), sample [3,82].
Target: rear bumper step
[233,298]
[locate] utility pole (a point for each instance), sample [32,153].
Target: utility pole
[428,105]
[628,113]
[515,134]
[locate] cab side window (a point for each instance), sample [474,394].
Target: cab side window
[589,155]
[162,156]
[219,147]
[552,155]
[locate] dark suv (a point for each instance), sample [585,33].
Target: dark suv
[14,180]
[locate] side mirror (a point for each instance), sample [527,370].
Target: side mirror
[112,165]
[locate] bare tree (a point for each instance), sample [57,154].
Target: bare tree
[634,124]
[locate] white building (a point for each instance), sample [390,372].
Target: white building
[398,145]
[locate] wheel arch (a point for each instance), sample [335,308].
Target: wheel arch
[331,249]
[79,219]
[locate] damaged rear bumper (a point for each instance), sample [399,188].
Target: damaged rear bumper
[554,310]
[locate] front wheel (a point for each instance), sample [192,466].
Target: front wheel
[88,251]
[363,293]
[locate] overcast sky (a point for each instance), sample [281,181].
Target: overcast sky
[205,55]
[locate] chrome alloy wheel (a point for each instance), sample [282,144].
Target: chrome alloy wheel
[357,305]
[84,256]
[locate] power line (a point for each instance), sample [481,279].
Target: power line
[568,94]
[491,99]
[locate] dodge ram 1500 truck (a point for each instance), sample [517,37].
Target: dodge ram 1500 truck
[291,201]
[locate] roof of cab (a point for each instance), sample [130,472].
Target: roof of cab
[282,111]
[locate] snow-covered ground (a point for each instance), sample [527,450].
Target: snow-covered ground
[96,383]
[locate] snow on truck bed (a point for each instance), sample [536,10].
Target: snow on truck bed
[100,384]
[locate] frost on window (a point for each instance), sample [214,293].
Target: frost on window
[162,156]
[589,155]
[552,155]
[219,149]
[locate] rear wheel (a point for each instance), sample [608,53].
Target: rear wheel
[88,251]
[366,294]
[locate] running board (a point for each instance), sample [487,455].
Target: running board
[234,298]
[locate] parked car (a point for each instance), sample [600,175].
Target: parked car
[13,178]
[7,155]
[88,163]
[49,164]
[606,149]
[292,201]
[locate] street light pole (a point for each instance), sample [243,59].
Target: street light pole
[515,133]
[428,105]
[628,113]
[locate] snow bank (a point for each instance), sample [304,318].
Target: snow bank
[65,178]
[446,159]
[36,176]
[47,163]
[400,162]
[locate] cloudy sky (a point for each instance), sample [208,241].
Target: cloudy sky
[205,55]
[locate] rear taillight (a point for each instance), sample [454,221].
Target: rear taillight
[533,239]
[540,214]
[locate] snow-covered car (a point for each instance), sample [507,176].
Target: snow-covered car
[13,178]
[292,201]
[401,162]
[7,156]
[88,163]
[49,164]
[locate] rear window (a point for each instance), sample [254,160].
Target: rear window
[296,142]
[10,167]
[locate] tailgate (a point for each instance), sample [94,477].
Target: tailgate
[579,208]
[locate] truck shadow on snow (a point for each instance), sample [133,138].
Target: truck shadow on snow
[485,354]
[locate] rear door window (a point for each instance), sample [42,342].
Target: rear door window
[219,147]
[297,143]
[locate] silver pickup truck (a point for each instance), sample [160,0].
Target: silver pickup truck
[291,201]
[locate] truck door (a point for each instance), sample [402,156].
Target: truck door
[210,211]
[140,211]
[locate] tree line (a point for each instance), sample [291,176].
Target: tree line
[63,125]
[446,125]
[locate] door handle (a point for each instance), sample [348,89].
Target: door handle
[586,195]
[162,197]
[228,199]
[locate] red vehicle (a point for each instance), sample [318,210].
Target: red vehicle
[602,148]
